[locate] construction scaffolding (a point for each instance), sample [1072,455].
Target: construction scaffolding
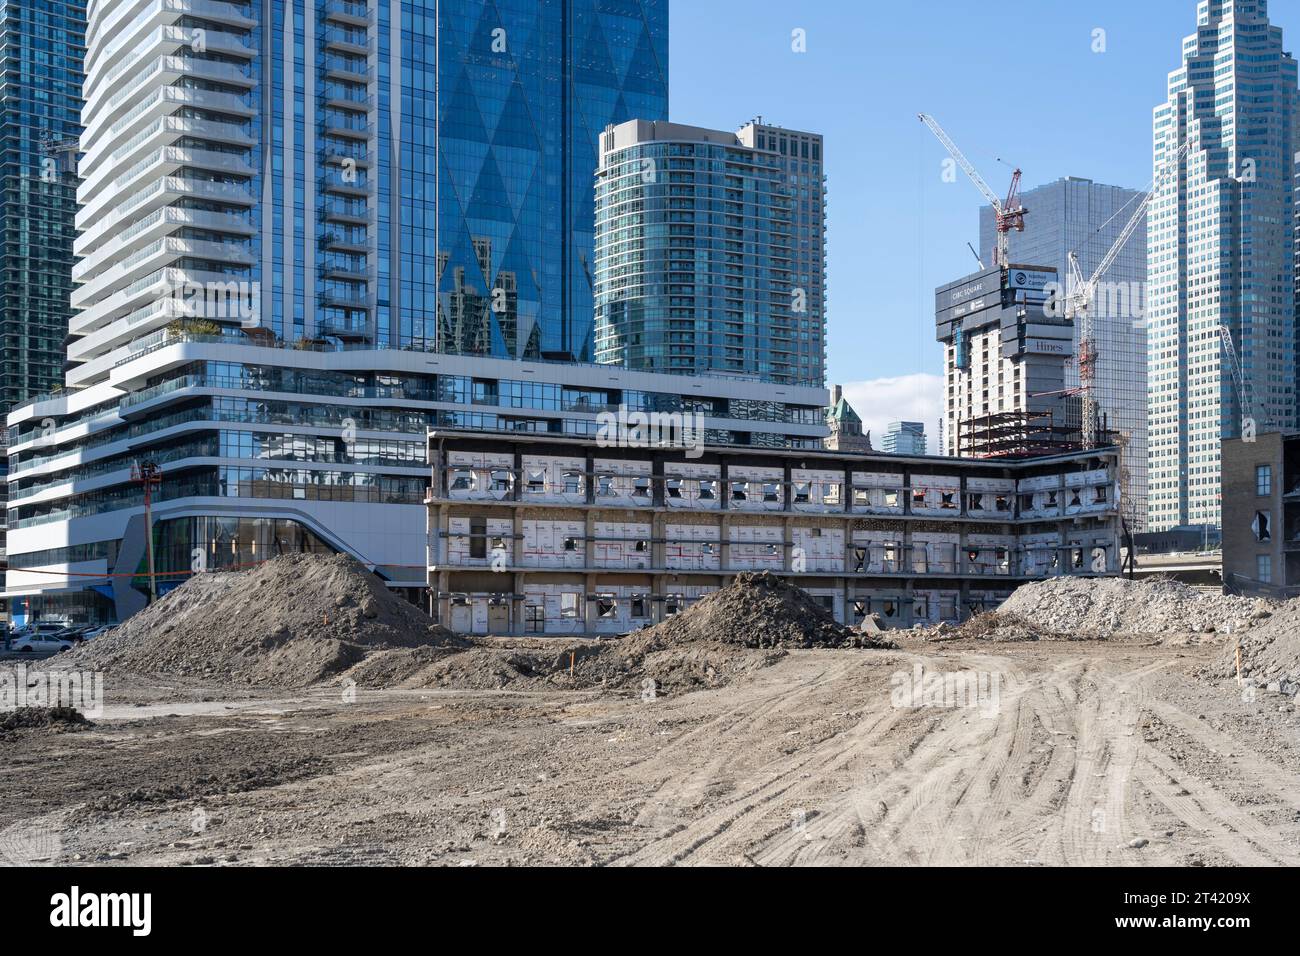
[1022,434]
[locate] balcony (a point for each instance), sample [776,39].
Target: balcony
[349,12]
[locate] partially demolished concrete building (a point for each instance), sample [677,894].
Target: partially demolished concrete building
[545,535]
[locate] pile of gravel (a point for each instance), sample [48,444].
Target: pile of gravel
[292,622]
[1100,607]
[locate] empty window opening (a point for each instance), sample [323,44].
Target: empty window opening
[568,605]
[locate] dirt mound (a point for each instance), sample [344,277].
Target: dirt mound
[1270,652]
[51,719]
[744,627]
[757,611]
[293,621]
[1105,606]
[733,632]
[999,627]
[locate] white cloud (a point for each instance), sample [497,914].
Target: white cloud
[907,398]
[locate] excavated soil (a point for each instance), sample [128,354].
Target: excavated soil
[56,720]
[1105,752]
[734,632]
[1101,753]
[291,622]
[995,626]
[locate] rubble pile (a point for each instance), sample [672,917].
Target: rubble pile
[1098,607]
[1270,652]
[292,621]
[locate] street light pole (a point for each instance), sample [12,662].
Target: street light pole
[149,474]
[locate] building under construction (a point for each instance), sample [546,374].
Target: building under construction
[1007,344]
[540,534]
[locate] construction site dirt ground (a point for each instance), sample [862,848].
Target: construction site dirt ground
[1096,753]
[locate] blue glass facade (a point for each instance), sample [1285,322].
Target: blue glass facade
[41,51]
[527,87]
[710,251]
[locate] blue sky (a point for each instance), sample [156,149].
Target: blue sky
[1016,79]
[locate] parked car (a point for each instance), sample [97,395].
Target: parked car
[97,631]
[42,627]
[40,643]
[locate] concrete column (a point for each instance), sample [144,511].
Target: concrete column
[724,543]
[517,603]
[517,543]
[444,603]
[658,544]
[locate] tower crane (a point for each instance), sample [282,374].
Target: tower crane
[1008,212]
[1078,301]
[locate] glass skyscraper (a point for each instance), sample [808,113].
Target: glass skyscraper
[710,251]
[271,194]
[41,50]
[526,89]
[1081,216]
[1221,240]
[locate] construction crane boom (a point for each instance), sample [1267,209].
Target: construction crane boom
[1009,213]
[1245,398]
[1079,299]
